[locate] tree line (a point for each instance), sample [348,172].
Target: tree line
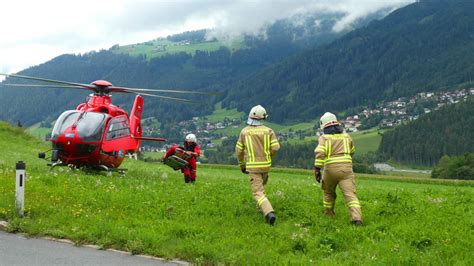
[447,131]
[455,167]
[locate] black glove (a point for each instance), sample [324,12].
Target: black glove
[317,174]
[244,169]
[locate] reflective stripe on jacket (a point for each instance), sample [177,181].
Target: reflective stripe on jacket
[336,148]
[256,146]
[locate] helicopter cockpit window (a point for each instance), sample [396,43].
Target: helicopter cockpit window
[64,121]
[90,126]
[118,128]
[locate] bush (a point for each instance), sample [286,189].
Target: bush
[455,167]
[363,168]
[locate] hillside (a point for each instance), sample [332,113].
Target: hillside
[425,46]
[190,62]
[447,131]
[188,42]
[151,211]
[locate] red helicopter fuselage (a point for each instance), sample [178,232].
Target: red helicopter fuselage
[97,134]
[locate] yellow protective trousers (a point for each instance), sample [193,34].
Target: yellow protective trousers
[340,174]
[258,181]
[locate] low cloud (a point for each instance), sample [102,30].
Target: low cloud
[36,31]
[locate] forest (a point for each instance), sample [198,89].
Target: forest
[425,46]
[447,131]
[422,47]
[202,71]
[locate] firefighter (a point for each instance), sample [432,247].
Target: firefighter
[255,148]
[191,152]
[334,162]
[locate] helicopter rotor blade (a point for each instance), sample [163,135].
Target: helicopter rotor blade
[106,89]
[45,86]
[121,89]
[86,86]
[165,97]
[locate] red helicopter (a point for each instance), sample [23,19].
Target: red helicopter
[97,134]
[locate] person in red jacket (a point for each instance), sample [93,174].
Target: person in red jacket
[191,152]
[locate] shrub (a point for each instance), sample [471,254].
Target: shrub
[455,167]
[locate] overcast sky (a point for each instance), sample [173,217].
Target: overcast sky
[35,31]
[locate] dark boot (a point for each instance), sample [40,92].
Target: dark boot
[187,179]
[357,223]
[270,218]
[329,212]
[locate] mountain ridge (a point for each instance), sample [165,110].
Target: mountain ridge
[423,46]
[205,70]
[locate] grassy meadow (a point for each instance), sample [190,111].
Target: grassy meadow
[38,131]
[151,211]
[366,140]
[220,114]
[161,47]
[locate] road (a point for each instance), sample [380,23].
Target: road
[16,249]
[387,167]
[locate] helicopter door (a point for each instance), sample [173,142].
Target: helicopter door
[117,136]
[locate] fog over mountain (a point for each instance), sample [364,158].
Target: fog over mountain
[50,28]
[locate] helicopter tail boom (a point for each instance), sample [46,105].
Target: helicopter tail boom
[150,139]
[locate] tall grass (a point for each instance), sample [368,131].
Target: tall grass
[151,211]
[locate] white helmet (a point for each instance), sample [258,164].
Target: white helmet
[191,138]
[258,113]
[328,119]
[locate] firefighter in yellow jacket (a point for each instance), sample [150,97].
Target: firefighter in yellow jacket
[255,148]
[334,155]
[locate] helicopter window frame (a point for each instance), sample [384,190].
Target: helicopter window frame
[65,120]
[118,127]
[90,126]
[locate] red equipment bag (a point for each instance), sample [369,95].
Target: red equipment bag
[178,160]
[181,153]
[175,162]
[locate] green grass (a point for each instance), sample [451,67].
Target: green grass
[39,132]
[230,131]
[306,126]
[153,155]
[308,139]
[406,174]
[161,47]
[367,140]
[151,211]
[217,141]
[220,114]
[408,166]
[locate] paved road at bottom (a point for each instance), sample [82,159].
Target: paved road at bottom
[16,249]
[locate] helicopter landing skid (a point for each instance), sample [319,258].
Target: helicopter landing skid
[53,165]
[98,168]
[109,170]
